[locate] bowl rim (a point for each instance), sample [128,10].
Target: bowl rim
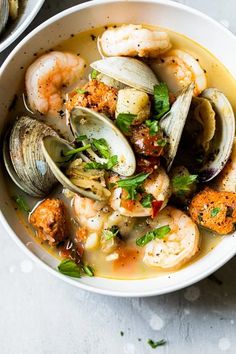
[16,33]
[13,235]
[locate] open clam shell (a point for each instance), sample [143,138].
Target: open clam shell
[173,123]
[224,135]
[24,159]
[4,14]
[54,150]
[85,121]
[131,72]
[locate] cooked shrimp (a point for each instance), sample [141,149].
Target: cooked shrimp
[227,178]
[94,217]
[214,210]
[157,184]
[178,69]
[178,246]
[47,76]
[134,40]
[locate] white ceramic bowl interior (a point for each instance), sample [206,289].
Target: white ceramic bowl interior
[14,30]
[160,12]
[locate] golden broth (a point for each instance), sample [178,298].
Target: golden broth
[130,265]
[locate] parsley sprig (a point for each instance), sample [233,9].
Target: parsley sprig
[160,233]
[131,184]
[161,100]
[182,183]
[124,121]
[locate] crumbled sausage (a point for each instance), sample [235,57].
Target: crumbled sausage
[144,143]
[214,210]
[97,96]
[49,219]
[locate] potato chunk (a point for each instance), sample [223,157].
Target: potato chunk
[214,210]
[49,219]
[135,102]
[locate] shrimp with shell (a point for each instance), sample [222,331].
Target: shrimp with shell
[134,40]
[48,76]
[178,246]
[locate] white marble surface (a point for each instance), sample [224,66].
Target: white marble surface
[41,315]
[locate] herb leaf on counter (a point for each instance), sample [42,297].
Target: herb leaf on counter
[156,344]
[69,267]
[131,184]
[22,204]
[161,100]
[124,121]
[160,233]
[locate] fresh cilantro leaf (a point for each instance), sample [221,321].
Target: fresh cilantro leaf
[109,234]
[124,121]
[76,151]
[147,201]
[88,270]
[102,147]
[161,100]
[131,184]
[153,126]
[154,345]
[22,204]
[81,91]
[162,142]
[102,166]
[94,74]
[81,138]
[69,267]
[215,212]
[160,233]
[182,183]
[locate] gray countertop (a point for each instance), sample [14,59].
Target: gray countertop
[39,314]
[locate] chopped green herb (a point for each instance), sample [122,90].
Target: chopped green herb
[214,212]
[102,147]
[22,204]
[182,183]
[147,201]
[162,142]
[111,185]
[124,121]
[81,91]
[161,100]
[131,184]
[160,233]
[153,126]
[94,74]
[88,270]
[69,267]
[154,345]
[102,166]
[76,151]
[81,138]
[109,234]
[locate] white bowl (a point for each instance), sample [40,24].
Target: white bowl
[14,30]
[79,18]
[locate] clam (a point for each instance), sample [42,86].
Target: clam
[174,121]
[4,14]
[90,183]
[223,139]
[24,159]
[129,71]
[87,122]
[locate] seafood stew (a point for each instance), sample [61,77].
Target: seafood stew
[124,142]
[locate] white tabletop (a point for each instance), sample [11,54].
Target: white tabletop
[39,314]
